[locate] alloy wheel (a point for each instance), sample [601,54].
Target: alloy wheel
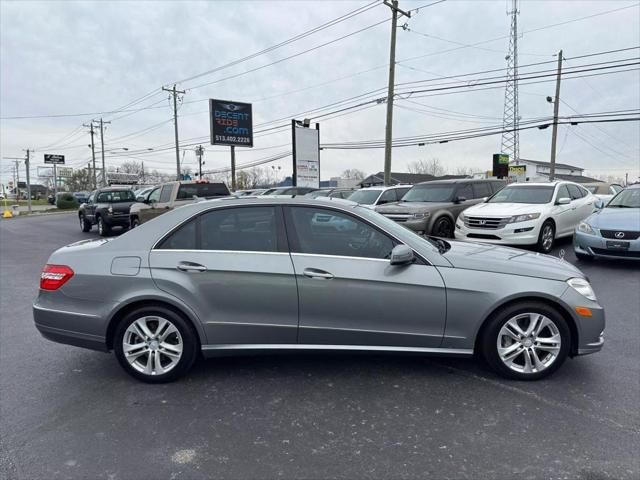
[529,343]
[152,345]
[547,237]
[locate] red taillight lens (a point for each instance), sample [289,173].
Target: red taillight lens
[54,276]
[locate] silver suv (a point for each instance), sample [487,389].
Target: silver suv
[431,208]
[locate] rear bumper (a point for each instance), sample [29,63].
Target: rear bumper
[596,246]
[70,327]
[117,220]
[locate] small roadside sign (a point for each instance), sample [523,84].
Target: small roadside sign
[52,158]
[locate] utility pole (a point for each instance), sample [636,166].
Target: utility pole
[93,155]
[175,93]
[392,73]
[104,170]
[142,173]
[16,174]
[233,168]
[199,153]
[626,179]
[26,163]
[554,133]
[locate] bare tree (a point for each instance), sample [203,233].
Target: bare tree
[430,167]
[353,174]
[468,171]
[80,180]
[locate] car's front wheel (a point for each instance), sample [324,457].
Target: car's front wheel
[443,228]
[155,344]
[134,222]
[547,237]
[526,341]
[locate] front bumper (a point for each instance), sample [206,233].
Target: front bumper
[590,330]
[596,246]
[521,233]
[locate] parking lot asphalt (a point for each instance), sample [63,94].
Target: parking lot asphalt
[66,412]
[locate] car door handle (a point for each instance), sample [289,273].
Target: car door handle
[191,267]
[315,273]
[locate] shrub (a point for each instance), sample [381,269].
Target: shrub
[66,200]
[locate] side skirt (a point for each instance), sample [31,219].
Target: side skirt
[244,349]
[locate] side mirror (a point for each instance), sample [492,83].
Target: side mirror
[140,198]
[460,199]
[563,201]
[401,255]
[599,203]
[151,201]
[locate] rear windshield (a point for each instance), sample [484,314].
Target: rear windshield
[430,193]
[202,190]
[365,197]
[116,196]
[528,194]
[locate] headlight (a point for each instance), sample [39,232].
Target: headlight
[584,227]
[418,216]
[583,287]
[461,216]
[524,217]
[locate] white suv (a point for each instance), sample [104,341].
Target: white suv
[371,197]
[527,214]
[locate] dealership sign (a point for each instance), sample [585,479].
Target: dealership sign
[55,159]
[231,123]
[306,156]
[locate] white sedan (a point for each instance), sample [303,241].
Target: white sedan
[527,214]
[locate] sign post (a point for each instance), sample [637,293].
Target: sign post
[55,160]
[232,125]
[306,154]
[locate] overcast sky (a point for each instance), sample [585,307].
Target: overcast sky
[78,57]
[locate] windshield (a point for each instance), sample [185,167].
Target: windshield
[430,193]
[524,194]
[202,190]
[629,198]
[365,197]
[116,196]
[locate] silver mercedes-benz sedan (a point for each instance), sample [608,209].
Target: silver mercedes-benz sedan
[286,274]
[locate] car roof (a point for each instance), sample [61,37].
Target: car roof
[451,181]
[387,187]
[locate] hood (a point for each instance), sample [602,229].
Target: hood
[512,261]
[411,207]
[627,219]
[503,209]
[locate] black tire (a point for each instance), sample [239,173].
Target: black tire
[85,225]
[583,257]
[488,341]
[103,228]
[190,344]
[443,227]
[135,221]
[544,245]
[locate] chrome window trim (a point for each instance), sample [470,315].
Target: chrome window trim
[283,204]
[191,250]
[324,255]
[309,346]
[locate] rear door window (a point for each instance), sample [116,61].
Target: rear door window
[465,190]
[165,194]
[187,191]
[574,191]
[481,190]
[245,229]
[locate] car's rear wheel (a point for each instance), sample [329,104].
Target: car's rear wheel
[155,344]
[526,341]
[85,225]
[103,228]
[443,228]
[546,237]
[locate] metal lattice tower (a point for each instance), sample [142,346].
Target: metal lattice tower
[511,117]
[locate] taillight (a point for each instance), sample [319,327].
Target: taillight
[54,276]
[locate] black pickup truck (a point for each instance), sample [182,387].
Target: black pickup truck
[106,208]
